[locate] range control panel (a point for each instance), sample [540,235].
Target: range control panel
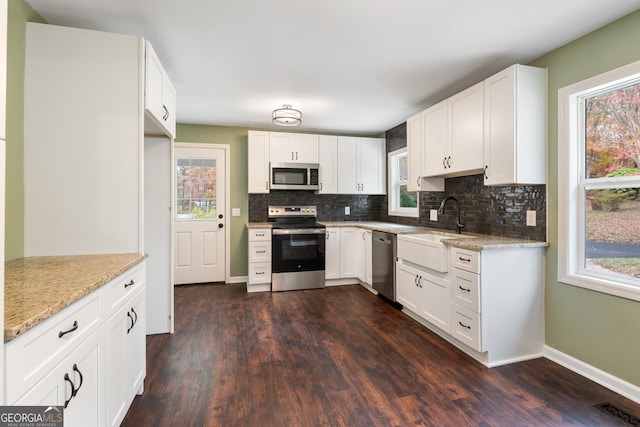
[289,211]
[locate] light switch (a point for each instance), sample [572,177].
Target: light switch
[433,215]
[347,210]
[235,211]
[531,218]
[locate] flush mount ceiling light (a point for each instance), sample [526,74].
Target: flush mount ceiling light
[286,116]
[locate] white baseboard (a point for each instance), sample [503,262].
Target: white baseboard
[238,279]
[620,386]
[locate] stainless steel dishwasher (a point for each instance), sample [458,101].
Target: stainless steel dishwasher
[383,262]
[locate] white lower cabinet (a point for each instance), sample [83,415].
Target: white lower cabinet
[125,357]
[76,383]
[259,279]
[89,357]
[332,254]
[426,294]
[348,256]
[489,303]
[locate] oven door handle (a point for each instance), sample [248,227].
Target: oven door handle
[298,231]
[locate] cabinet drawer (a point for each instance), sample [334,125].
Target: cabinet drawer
[123,287]
[466,289]
[465,326]
[260,251]
[259,273]
[32,355]
[259,234]
[465,259]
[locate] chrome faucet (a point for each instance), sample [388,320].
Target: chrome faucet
[459,225]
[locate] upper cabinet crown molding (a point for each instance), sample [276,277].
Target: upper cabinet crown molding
[515,126]
[159,96]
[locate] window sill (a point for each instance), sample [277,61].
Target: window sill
[609,287]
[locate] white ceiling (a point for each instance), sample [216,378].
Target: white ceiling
[351,66]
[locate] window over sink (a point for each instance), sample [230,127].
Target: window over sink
[400,201]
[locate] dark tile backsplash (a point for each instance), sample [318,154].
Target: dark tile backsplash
[498,211]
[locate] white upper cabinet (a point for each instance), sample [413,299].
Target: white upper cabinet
[258,162]
[415,181]
[453,134]
[435,139]
[328,159]
[515,126]
[361,165]
[160,96]
[466,135]
[293,148]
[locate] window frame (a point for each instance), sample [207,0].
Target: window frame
[573,184]
[394,183]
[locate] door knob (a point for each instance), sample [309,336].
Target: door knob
[220,216]
[220,225]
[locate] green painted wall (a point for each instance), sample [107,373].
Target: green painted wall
[19,14]
[596,328]
[237,139]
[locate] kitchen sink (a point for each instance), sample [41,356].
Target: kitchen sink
[425,250]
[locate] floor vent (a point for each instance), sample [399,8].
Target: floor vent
[619,414]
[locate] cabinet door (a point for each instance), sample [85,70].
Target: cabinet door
[408,290]
[435,140]
[305,148]
[258,162]
[328,159]
[85,370]
[367,255]
[136,346]
[347,161]
[153,83]
[436,301]
[350,242]
[414,153]
[332,254]
[371,166]
[514,126]
[117,403]
[169,102]
[466,124]
[281,147]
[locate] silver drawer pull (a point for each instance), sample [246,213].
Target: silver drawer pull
[464,289]
[73,328]
[131,283]
[463,325]
[464,259]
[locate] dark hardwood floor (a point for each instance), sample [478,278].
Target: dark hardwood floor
[340,357]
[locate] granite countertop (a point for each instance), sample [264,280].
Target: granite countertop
[472,241]
[36,288]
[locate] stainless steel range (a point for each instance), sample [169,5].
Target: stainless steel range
[298,244]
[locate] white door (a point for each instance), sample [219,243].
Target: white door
[200,214]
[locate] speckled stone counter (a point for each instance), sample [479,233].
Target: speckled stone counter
[36,288]
[258,225]
[471,241]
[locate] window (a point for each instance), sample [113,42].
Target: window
[401,201]
[599,177]
[195,188]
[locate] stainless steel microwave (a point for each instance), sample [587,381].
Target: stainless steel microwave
[294,176]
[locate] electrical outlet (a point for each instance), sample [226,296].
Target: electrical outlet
[347,210]
[531,218]
[433,215]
